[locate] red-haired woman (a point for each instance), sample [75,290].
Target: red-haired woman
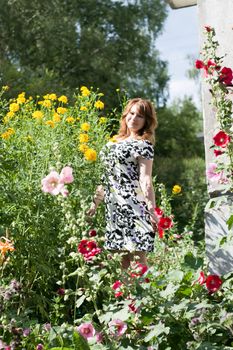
[127,184]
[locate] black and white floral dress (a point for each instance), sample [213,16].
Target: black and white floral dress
[128,225]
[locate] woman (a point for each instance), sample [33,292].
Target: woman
[127,184]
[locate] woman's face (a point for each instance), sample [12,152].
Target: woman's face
[134,120]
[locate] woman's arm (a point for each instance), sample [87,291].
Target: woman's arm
[96,200]
[145,180]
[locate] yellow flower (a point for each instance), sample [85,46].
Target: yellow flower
[70,120]
[85,126]
[176,189]
[7,134]
[37,115]
[50,123]
[21,100]
[90,154]
[46,103]
[52,97]
[102,120]
[14,107]
[56,118]
[99,104]
[8,116]
[83,138]
[61,110]
[63,99]
[113,138]
[83,108]
[85,91]
[83,147]
[46,97]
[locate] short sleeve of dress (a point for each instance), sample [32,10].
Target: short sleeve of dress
[144,149]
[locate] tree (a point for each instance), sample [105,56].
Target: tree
[63,44]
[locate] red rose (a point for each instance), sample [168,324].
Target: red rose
[199,64]
[165,223]
[226,76]
[213,283]
[218,152]
[201,278]
[92,233]
[158,212]
[221,139]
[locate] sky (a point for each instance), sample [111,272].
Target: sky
[180,38]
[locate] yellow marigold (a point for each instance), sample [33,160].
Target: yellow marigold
[99,104]
[90,154]
[85,91]
[6,246]
[37,115]
[83,147]
[83,108]
[102,120]
[21,100]
[52,97]
[63,99]
[14,107]
[61,110]
[83,138]
[46,103]
[176,189]
[46,97]
[56,118]
[8,116]
[85,126]
[7,134]
[50,123]
[70,120]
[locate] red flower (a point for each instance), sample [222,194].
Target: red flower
[139,270]
[61,291]
[201,278]
[88,249]
[221,139]
[213,283]
[161,232]
[165,223]
[199,64]
[208,29]
[133,308]
[116,285]
[118,294]
[92,233]
[226,76]
[158,212]
[218,152]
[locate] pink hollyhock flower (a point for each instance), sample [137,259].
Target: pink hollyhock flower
[64,192]
[158,212]
[138,270]
[201,278]
[213,283]
[212,173]
[99,337]
[89,256]
[51,183]
[221,139]
[226,76]
[165,223]
[217,152]
[66,176]
[117,327]
[86,330]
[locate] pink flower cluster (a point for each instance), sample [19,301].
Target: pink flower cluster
[212,282]
[54,183]
[165,222]
[88,249]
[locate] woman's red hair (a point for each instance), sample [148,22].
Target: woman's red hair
[146,109]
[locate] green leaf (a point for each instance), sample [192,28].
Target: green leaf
[175,275]
[230,222]
[79,342]
[61,348]
[157,331]
[193,262]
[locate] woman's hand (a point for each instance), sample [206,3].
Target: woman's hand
[92,211]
